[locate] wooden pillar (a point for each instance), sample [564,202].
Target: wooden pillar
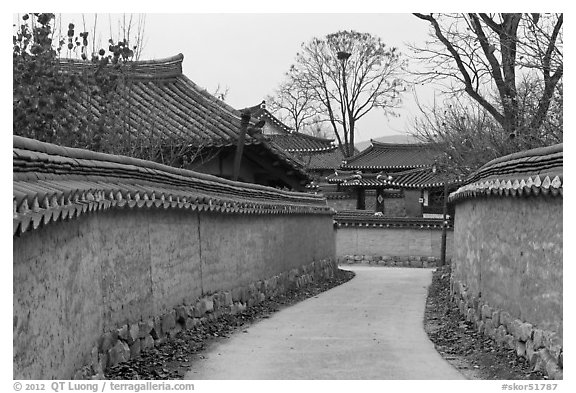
[361,199]
[380,200]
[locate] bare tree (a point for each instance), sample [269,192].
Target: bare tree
[470,136]
[294,106]
[478,54]
[346,75]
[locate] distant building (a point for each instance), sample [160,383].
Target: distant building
[393,179]
[319,156]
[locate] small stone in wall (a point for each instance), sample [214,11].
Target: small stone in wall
[135,349]
[530,351]
[156,332]
[496,317]
[526,331]
[133,333]
[486,311]
[505,319]
[118,353]
[147,342]
[538,338]
[123,333]
[520,348]
[145,327]
[181,313]
[510,341]
[169,321]
[108,340]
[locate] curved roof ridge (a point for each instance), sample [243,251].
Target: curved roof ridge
[317,138]
[376,143]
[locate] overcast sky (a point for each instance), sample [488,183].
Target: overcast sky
[249,53]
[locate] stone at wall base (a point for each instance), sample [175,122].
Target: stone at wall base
[130,340]
[543,349]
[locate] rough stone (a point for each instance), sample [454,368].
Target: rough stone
[480,327]
[123,333]
[108,340]
[168,321]
[156,331]
[496,317]
[487,312]
[530,351]
[520,348]
[146,343]
[133,333]
[145,327]
[505,319]
[510,341]
[470,315]
[515,328]
[181,313]
[489,330]
[500,335]
[103,360]
[554,344]
[525,331]
[228,295]
[94,358]
[538,338]
[416,263]
[118,353]
[189,323]
[135,349]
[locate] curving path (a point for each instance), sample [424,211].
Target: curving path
[368,328]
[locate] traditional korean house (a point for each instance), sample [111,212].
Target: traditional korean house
[320,156]
[394,179]
[159,104]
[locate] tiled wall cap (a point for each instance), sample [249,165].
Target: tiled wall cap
[534,172]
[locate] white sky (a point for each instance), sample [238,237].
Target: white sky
[249,53]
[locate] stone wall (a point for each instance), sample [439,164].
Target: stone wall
[396,243]
[507,274]
[507,268]
[342,203]
[80,285]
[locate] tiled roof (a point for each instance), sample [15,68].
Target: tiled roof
[381,156]
[370,219]
[331,159]
[296,142]
[53,183]
[532,172]
[160,99]
[412,178]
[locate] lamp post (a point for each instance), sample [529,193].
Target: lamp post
[343,56]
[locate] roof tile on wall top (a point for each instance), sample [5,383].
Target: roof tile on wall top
[532,172]
[52,183]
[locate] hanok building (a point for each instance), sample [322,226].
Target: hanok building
[161,102]
[394,179]
[320,156]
